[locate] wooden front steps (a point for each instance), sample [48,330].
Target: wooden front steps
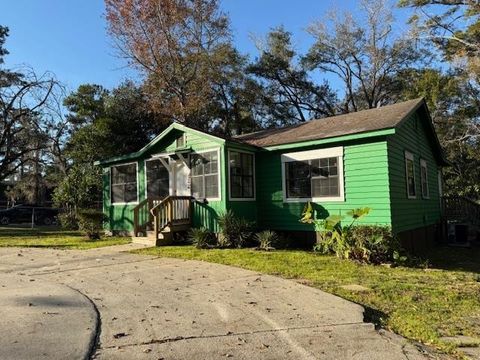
[156,221]
[165,237]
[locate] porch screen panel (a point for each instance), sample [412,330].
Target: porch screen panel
[124,183]
[158,180]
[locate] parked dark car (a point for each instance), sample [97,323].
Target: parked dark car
[23,214]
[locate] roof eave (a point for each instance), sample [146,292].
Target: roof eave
[139,153]
[346,137]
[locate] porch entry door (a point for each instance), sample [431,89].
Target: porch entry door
[181,177]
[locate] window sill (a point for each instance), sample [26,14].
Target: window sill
[127,203]
[242,199]
[205,200]
[315,200]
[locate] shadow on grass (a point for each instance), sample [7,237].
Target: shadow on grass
[18,231]
[374,316]
[455,259]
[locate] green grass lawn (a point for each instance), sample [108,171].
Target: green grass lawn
[52,237]
[423,304]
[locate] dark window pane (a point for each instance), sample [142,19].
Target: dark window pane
[158,181]
[130,192]
[117,193]
[410,178]
[241,175]
[298,179]
[247,187]
[247,164]
[236,186]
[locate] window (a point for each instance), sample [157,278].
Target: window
[124,183]
[158,179]
[410,175]
[241,170]
[316,174]
[181,141]
[424,178]
[204,170]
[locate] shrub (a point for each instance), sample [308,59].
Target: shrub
[374,244]
[369,244]
[202,238]
[234,231]
[90,222]
[267,240]
[68,220]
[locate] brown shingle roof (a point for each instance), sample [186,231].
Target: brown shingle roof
[384,117]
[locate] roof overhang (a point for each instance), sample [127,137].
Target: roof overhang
[156,140]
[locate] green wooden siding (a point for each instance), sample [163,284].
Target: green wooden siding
[366,184]
[407,213]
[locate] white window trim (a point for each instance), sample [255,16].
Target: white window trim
[219,198]
[409,156]
[254,198]
[423,164]
[138,189]
[311,155]
[145,173]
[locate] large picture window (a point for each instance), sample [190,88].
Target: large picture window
[158,179]
[313,178]
[124,184]
[241,170]
[316,174]
[204,175]
[410,175]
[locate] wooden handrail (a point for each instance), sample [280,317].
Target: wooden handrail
[170,211]
[143,208]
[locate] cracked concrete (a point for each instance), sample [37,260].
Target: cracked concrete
[157,308]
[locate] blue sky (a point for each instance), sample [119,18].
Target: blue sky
[68,37]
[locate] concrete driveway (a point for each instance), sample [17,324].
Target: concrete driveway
[108,304]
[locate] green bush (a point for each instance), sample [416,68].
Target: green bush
[267,240]
[68,220]
[234,231]
[374,244]
[202,238]
[90,221]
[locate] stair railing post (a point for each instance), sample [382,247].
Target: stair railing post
[135,222]
[155,224]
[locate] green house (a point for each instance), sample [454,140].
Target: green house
[388,159]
